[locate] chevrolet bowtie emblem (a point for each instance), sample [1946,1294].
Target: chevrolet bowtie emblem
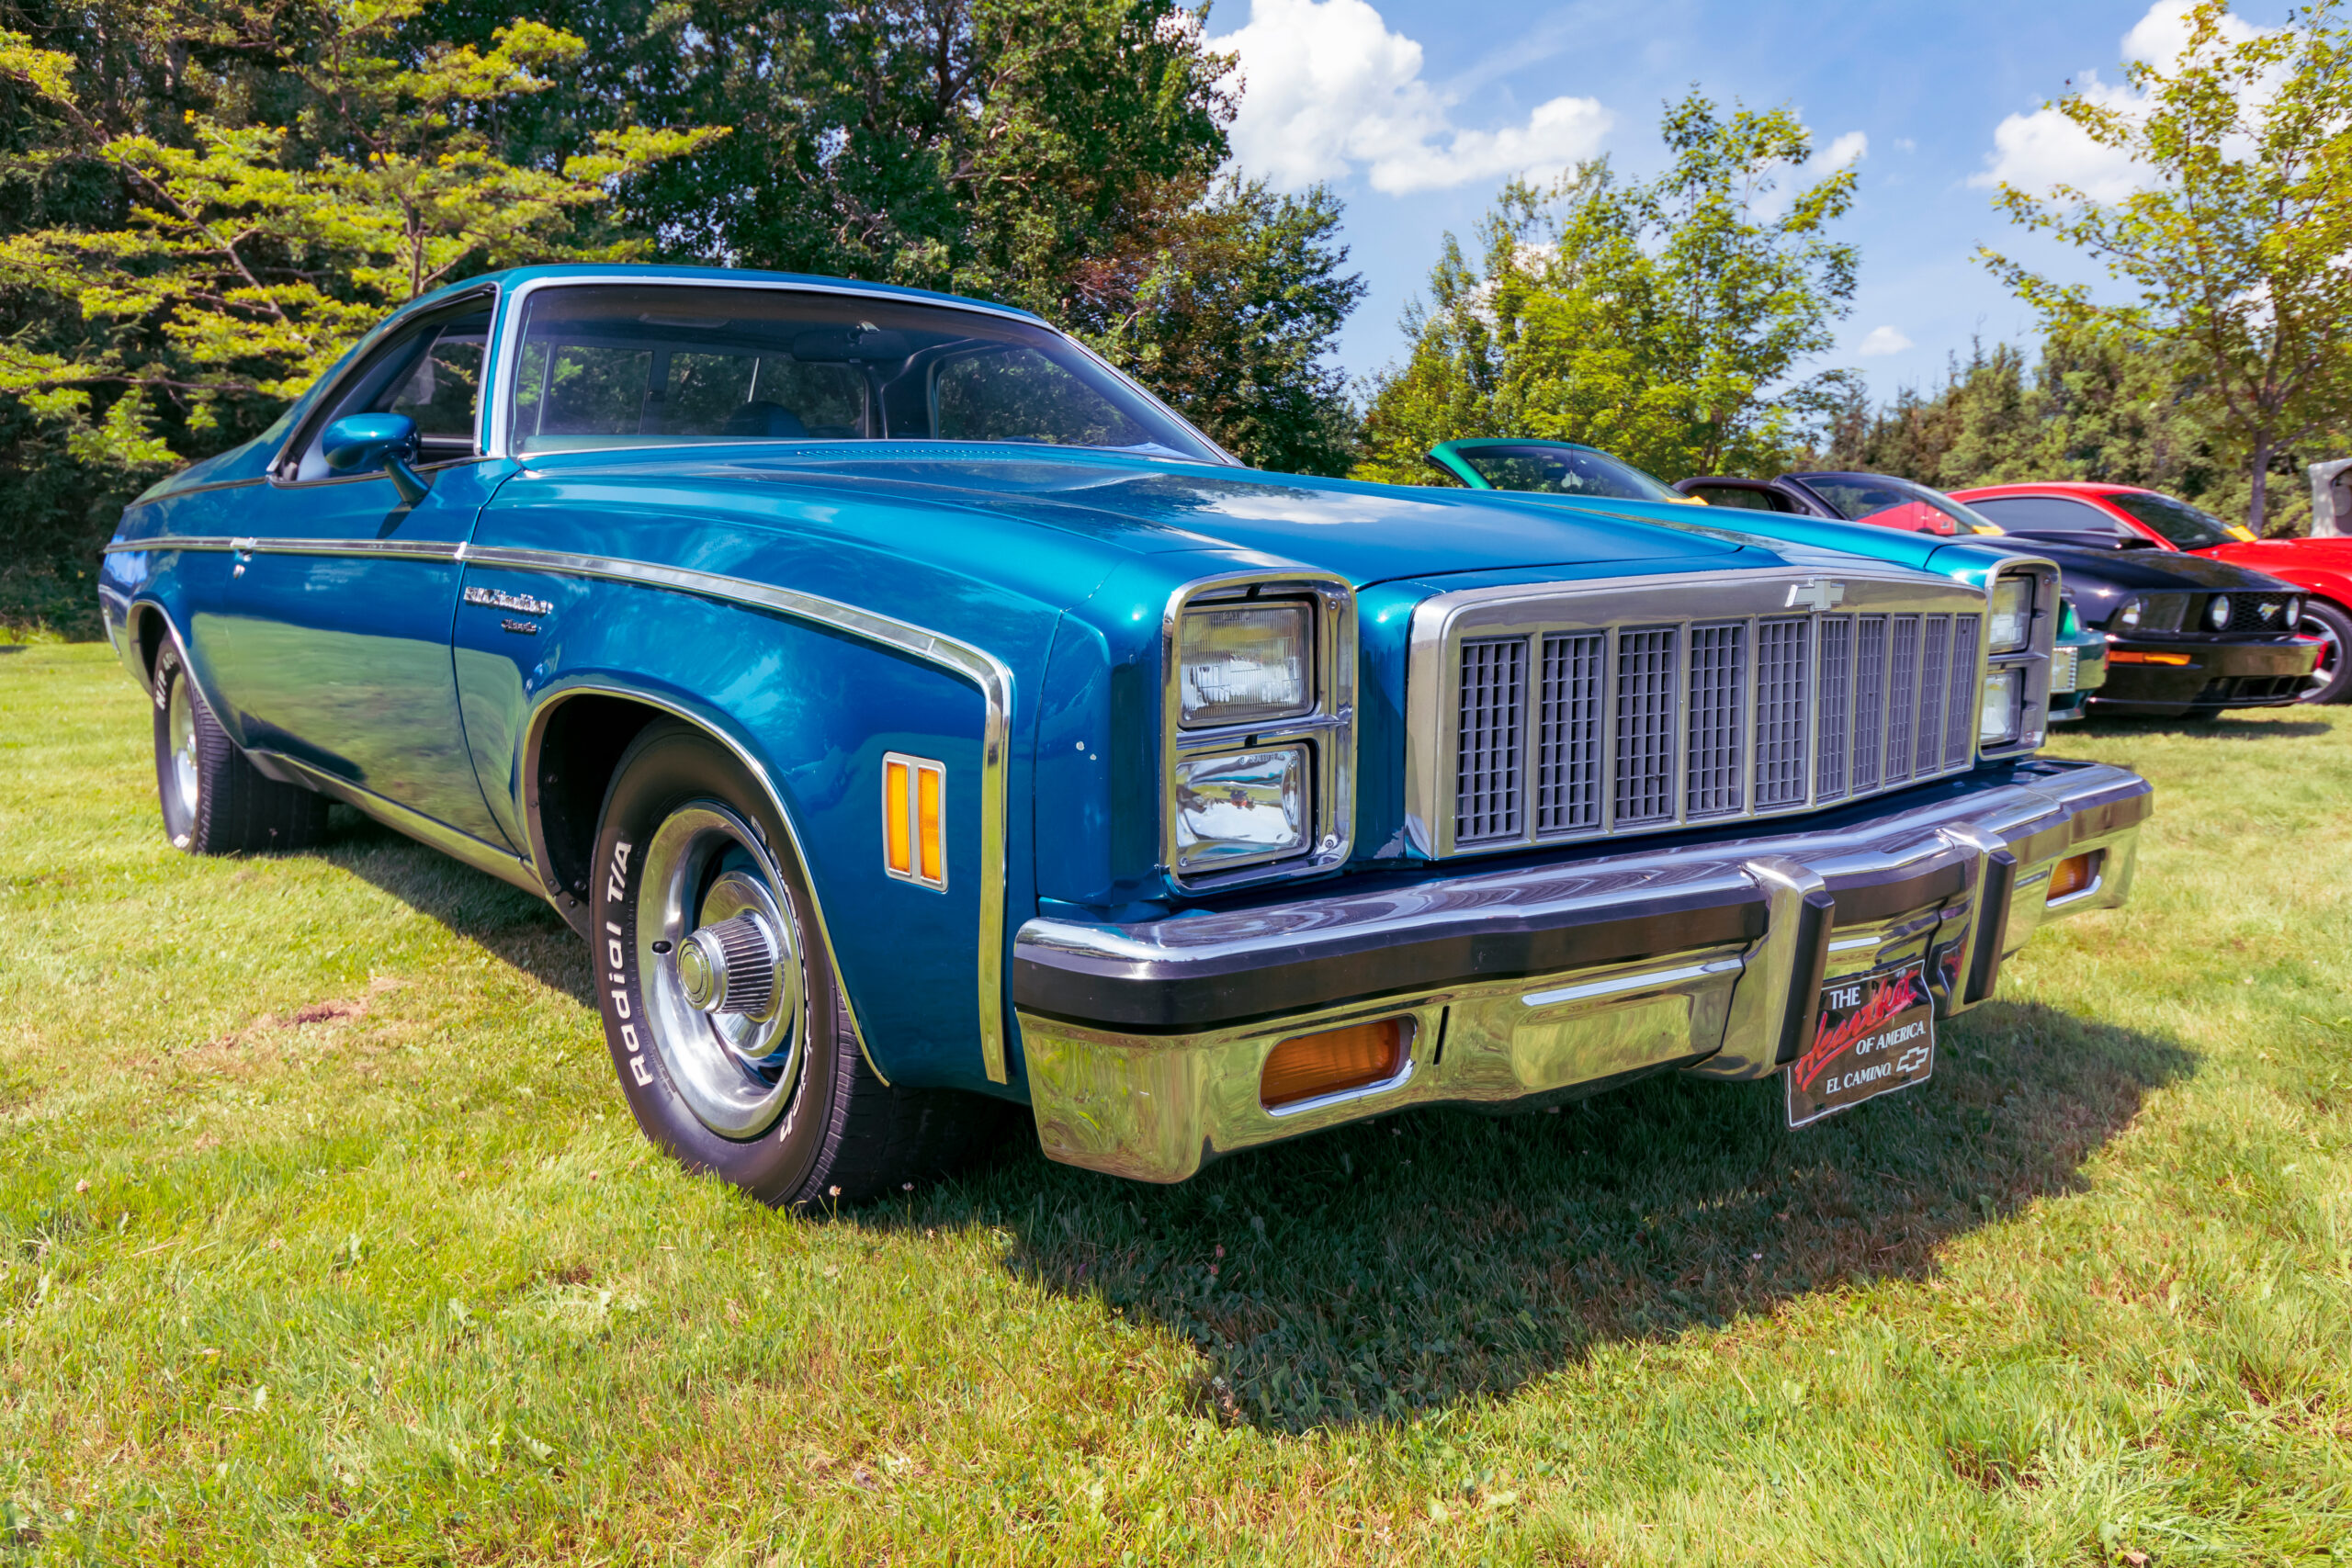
[1813,593]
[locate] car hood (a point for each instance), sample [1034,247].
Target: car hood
[2143,571]
[1366,533]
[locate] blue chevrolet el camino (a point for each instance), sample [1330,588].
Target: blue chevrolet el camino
[907,708]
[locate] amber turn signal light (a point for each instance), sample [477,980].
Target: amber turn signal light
[2074,873]
[1305,1066]
[914,844]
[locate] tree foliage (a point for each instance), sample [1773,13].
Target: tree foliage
[2234,251]
[1663,319]
[2093,404]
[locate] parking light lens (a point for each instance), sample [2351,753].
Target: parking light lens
[2294,614]
[2217,613]
[2004,696]
[2012,614]
[1240,807]
[1244,664]
[1307,1066]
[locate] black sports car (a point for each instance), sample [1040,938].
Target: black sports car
[2185,634]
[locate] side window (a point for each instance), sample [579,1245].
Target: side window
[2045,513]
[431,372]
[1741,497]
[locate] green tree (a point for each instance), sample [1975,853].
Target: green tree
[2233,249]
[248,254]
[1666,321]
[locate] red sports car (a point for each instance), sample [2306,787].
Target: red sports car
[2127,517]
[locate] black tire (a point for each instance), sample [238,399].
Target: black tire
[215,802]
[807,1121]
[2332,682]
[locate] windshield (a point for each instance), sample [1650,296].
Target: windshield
[2187,527]
[642,365]
[1565,470]
[1856,497]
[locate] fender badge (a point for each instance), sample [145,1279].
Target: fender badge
[1813,593]
[497,601]
[528,628]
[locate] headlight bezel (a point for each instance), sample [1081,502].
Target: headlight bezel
[2027,664]
[1324,732]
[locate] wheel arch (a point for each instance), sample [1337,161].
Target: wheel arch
[568,760]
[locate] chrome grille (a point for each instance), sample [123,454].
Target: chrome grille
[1715,777]
[1869,703]
[1487,769]
[1567,764]
[1565,734]
[1781,701]
[1645,783]
[1960,710]
[1902,695]
[1836,692]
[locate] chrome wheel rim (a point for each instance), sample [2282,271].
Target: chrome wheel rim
[180,715]
[721,961]
[2331,652]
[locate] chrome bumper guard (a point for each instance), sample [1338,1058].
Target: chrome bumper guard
[1537,983]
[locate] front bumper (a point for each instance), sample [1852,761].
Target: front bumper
[2160,678]
[1536,984]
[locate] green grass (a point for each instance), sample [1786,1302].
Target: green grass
[325,1236]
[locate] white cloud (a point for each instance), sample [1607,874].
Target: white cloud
[1882,340]
[1905,144]
[1329,89]
[1846,148]
[2036,152]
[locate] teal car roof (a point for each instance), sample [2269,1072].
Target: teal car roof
[583,271]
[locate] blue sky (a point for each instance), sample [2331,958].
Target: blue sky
[1416,110]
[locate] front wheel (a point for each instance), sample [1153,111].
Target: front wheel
[2331,679]
[723,1012]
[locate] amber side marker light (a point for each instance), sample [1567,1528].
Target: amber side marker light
[1306,1066]
[914,847]
[2134,656]
[2074,873]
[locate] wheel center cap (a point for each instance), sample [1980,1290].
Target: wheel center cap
[729,967]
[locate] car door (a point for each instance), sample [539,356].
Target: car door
[334,651]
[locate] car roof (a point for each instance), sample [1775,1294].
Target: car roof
[638,272]
[2056,487]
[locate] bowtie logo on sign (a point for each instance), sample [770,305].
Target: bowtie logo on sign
[1876,1033]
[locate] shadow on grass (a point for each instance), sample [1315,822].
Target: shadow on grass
[522,929]
[1428,1257]
[1432,1256]
[2237,726]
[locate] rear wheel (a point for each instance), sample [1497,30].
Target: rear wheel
[733,1042]
[2330,680]
[215,802]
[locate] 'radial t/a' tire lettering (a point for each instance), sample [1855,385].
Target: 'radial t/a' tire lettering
[721,1007]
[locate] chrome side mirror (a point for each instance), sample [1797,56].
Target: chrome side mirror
[359,442]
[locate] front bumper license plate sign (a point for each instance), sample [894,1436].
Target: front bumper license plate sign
[1877,1035]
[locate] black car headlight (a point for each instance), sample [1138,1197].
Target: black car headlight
[2012,614]
[2128,613]
[2217,613]
[2294,614]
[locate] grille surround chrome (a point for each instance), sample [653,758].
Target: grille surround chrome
[1623,609]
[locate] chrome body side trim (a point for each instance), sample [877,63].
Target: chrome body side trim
[982,669]
[1328,727]
[431,832]
[1524,1023]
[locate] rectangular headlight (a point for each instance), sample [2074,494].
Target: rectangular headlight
[1239,807]
[2003,698]
[1244,664]
[2012,614]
